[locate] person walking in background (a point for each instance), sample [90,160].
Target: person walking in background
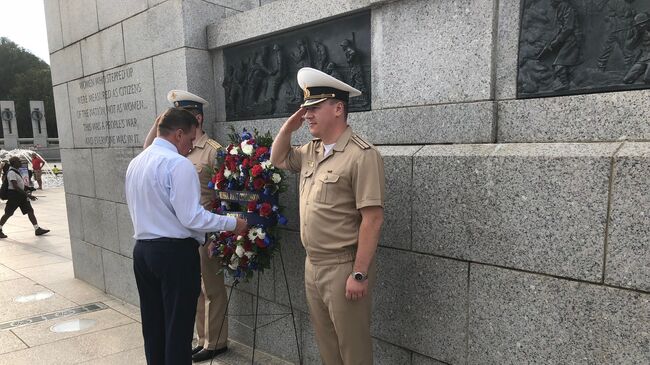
[37,166]
[17,197]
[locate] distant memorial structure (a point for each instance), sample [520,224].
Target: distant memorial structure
[9,125]
[39,126]
[516,144]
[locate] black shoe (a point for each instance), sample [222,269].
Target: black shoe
[197,349]
[2,235]
[206,354]
[40,231]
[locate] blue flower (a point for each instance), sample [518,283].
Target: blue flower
[210,185]
[282,220]
[246,135]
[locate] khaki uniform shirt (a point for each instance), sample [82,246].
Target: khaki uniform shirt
[203,157]
[333,189]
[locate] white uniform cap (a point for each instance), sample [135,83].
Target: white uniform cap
[185,99]
[319,86]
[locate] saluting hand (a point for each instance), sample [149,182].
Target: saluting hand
[355,290]
[295,121]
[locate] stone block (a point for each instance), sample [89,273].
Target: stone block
[87,263]
[308,345]
[87,99]
[130,106]
[100,223]
[535,207]
[200,80]
[240,308]
[153,3]
[238,5]
[429,314]
[103,50]
[75,218]
[628,248]
[592,117]
[53,25]
[507,49]
[171,73]
[293,255]
[78,177]
[451,123]
[275,333]
[197,14]
[125,230]
[110,12]
[448,42]
[66,64]
[385,353]
[63,120]
[278,16]
[219,92]
[521,318]
[78,19]
[109,171]
[119,276]
[398,171]
[142,32]
[423,360]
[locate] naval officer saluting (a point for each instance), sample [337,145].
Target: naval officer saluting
[341,213]
[163,195]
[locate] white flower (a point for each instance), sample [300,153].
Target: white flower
[247,148]
[266,165]
[256,233]
[227,173]
[234,151]
[240,251]
[234,262]
[249,254]
[276,178]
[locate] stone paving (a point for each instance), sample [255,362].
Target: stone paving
[38,291]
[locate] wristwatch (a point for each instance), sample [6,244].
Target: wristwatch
[359,276]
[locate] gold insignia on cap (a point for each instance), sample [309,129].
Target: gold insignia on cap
[306,93]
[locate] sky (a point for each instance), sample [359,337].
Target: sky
[23,21]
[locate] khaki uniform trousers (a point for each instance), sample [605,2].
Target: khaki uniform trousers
[212,304]
[342,326]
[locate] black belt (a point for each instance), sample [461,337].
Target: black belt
[169,239]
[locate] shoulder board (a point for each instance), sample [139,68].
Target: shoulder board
[214,144]
[360,142]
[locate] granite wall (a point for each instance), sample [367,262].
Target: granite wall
[517,230]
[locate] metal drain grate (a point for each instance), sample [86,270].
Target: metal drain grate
[86,308]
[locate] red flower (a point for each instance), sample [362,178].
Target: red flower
[257,170]
[245,163]
[266,209]
[219,177]
[252,206]
[260,243]
[248,246]
[243,260]
[261,151]
[258,183]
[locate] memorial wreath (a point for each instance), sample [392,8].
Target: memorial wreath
[247,185]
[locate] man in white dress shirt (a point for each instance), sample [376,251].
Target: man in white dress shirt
[163,195]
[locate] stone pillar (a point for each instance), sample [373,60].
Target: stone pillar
[9,125]
[39,126]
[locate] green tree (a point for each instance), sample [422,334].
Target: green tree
[25,77]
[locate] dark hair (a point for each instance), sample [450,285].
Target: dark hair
[175,119]
[15,159]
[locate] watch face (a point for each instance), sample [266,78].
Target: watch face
[358,276]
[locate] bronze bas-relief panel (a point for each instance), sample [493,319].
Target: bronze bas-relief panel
[260,76]
[583,46]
